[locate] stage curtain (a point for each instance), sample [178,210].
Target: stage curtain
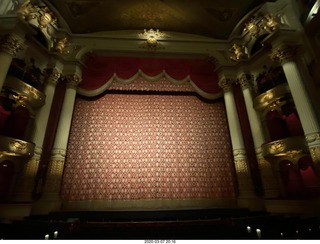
[139,147]
[99,70]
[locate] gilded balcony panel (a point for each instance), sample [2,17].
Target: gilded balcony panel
[291,146]
[31,95]
[272,99]
[14,147]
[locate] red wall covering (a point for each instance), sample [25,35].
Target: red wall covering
[130,147]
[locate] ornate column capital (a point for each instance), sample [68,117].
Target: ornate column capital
[11,45]
[245,81]
[284,53]
[53,75]
[226,84]
[73,81]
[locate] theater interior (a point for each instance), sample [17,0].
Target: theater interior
[159,120]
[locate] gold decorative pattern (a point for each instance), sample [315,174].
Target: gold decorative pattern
[27,95]
[241,165]
[27,11]
[253,27]
[226,84]
[61,46]
[271,23]
[14,147]
[291,146]
[10,45]
[245,81]
[237,52]
[283,54]
[54,176]
[315,154]
[272,99]
[73,81]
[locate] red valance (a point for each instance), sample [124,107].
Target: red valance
[100,69]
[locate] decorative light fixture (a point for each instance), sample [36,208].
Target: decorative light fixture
[151,36]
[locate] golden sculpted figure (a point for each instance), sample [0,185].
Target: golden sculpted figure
[237,52]
[61,46]
[26,10]
[271,23]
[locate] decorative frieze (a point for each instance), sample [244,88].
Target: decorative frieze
[11,45]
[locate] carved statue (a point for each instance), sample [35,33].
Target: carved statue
[271,23]
[237,52]
[26,10]
[61,46]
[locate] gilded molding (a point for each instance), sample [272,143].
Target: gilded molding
[283,54]
[315,154]
[73,81]
[241,166]
[271,99]
[11,45]
[14,147]
[27,95]
[61,46]
[245,81]
[237,52]
[226,84]
[27,11]
[239,152]
[291,147]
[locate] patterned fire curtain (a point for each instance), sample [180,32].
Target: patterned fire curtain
[127,146]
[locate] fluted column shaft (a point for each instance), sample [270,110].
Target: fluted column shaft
[285,55]
[269,180]
[245,186]
[9,47]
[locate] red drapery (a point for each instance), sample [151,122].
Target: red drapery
[100,69]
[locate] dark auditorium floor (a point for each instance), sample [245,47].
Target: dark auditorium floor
[209,224]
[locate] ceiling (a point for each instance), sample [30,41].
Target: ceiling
[211,18]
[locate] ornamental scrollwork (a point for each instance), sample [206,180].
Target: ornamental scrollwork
[284,53]
[11,45]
